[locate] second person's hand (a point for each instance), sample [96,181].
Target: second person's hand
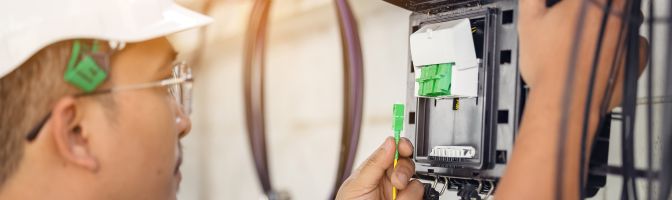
[375,178]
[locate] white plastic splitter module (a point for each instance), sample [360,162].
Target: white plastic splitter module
[448,42]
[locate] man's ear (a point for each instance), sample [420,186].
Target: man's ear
[70,139]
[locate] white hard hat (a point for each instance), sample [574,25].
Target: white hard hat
[30,25]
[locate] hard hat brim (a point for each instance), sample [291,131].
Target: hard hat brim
[172,19]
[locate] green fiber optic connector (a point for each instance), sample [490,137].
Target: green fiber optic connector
[397,124]
[398,112]
[435,80]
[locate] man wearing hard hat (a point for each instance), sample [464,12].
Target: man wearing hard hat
[93,103]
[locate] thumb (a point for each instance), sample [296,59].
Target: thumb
[373,169]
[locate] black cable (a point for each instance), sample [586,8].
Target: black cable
[649,107]
[618,170]
[614,71]
[665,19]
[569,83]
[589,98]
[353,91]
[630,74]
[253,87]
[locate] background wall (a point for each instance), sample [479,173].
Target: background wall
[304,88]
[304,97]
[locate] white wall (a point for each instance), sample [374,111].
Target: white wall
[304,88]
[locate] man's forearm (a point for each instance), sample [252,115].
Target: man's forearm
[531,171]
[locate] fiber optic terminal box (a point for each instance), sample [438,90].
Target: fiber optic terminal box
[465,96]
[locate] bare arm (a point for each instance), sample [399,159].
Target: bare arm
[546,39]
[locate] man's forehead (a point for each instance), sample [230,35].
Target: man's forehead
[145,59]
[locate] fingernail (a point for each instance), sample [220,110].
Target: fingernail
[402,177]
[407,140]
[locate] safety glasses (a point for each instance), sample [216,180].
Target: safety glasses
[179,86]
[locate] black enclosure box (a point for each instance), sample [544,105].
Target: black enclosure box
[487,122]
[433,6]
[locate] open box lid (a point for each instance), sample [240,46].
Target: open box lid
[428,5]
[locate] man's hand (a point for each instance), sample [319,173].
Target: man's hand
[375,178]
[546,46]
[546,41]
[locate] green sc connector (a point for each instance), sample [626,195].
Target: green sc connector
[397,125]
[398,117]
[435,80]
